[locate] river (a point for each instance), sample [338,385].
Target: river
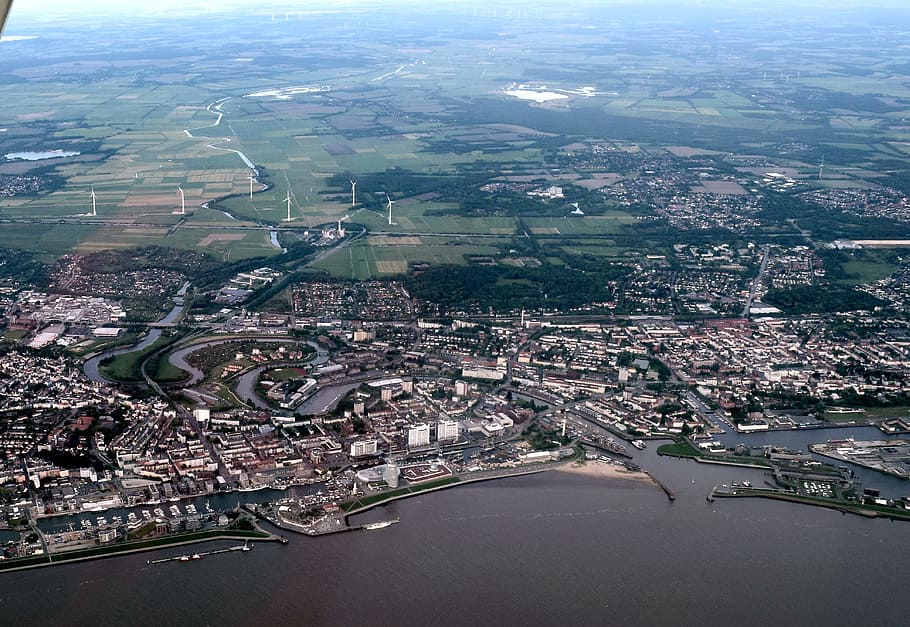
[245,386]
[91,366]
[549,549]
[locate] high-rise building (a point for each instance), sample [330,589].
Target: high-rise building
[446,430]
[364,447]
[418,436]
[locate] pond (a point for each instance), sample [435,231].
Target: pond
[39,156]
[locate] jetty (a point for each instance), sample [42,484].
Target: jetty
[670,495]
[198,556]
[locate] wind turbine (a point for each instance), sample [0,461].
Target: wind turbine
[288,198]
[182,201]
[353,192]
[94,213]
[391,202]
[288,201]
[821,168]
[252,178]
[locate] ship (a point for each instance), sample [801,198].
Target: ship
[380,525]
[639,444]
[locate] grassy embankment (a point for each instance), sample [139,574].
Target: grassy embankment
[126,367]
[374,499]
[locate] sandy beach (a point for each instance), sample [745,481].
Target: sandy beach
[597,468]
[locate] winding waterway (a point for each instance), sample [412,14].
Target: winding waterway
[245,386]
[92,365]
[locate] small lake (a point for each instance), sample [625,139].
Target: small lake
[39,156]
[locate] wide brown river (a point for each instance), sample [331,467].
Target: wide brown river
[548,549]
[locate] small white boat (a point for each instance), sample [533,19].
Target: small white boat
[380,525]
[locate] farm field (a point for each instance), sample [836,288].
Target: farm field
[384,256]
[636,135]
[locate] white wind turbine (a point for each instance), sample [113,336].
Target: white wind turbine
[353,193]
[94,213]
[287,198]
[391,202]
[252,178]
[182,201]
[288,201]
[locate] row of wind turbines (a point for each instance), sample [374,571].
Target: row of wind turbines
[354,199]
[287,199]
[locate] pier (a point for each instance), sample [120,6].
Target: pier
[197,556]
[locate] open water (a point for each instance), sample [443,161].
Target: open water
[548,549]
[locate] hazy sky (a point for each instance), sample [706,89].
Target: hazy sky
[31,7]
[26,12]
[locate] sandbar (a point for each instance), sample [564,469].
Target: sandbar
[597,468]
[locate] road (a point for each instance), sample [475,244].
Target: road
[766,253]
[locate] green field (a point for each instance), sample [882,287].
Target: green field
[868,271]
[377,258]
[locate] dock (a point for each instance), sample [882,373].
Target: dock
[197,556]
[615,449]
